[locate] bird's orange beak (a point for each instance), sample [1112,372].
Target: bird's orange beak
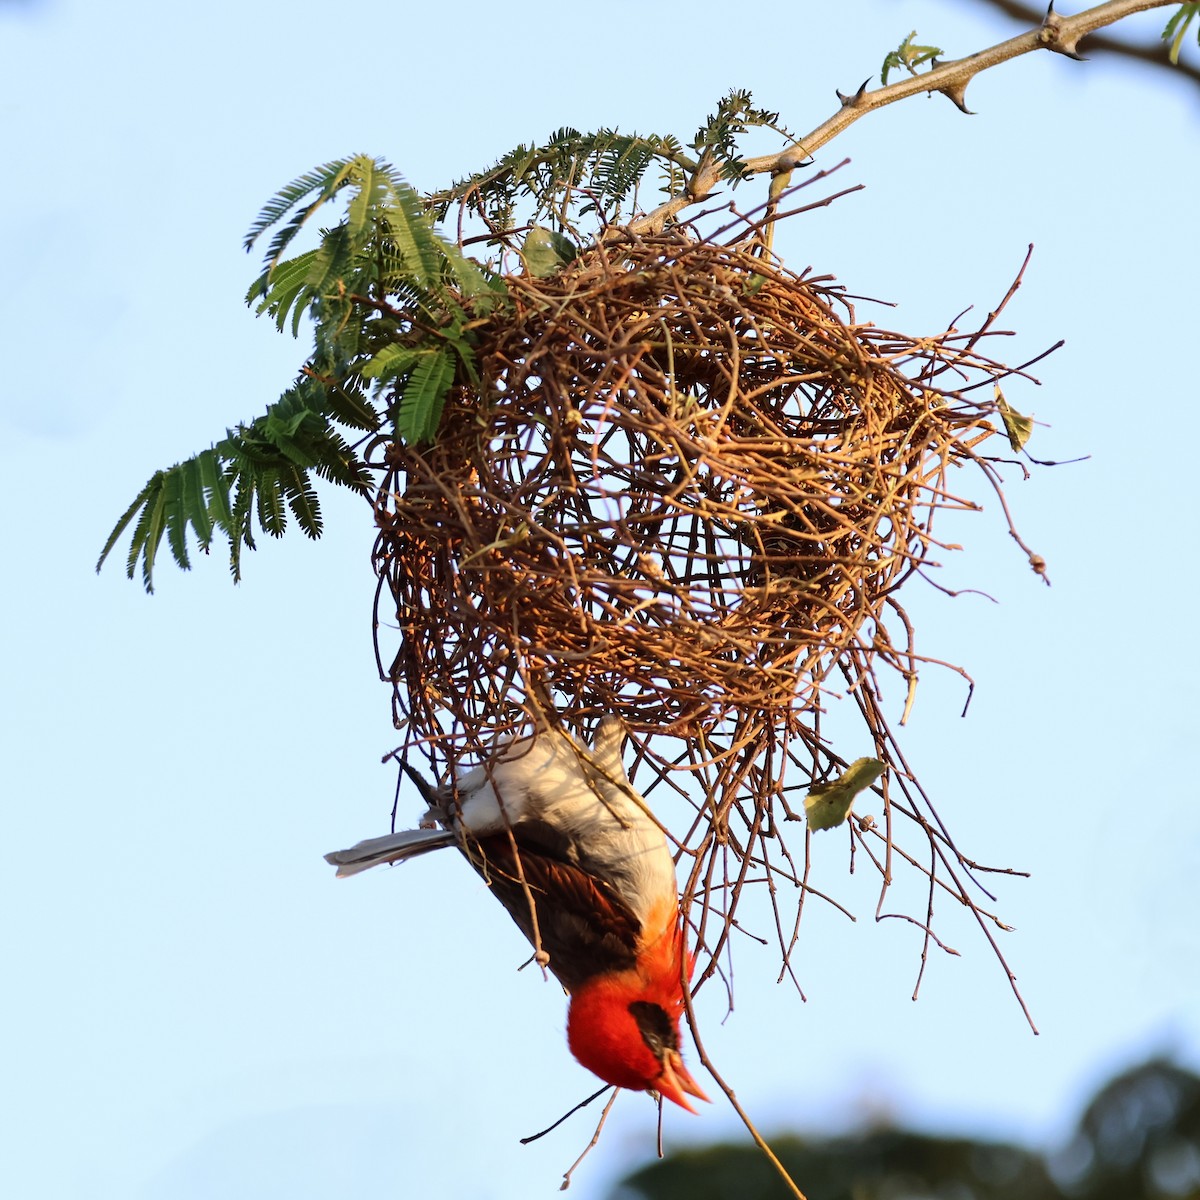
[675,1080]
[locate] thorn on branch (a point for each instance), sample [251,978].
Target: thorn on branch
[795,156]
[957,93]
[855,100]
[1050,35]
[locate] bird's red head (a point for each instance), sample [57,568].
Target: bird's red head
[624,1027]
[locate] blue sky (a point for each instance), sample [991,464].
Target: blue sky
[194,1007]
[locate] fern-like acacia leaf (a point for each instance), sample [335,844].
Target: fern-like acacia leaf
[612,164]
[326,181]
[278,292]
[267,468]
[215,486]
[139,502]
[411,228]
[392,362]
[147,534]
[393,305]
[424,396]
[268,493]
[302,500]
[175,517]
[194,503]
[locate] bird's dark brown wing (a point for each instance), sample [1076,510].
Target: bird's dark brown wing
[582,924]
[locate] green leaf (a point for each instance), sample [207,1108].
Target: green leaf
[242,531]
[284,290]
[272,515]
[485,288]
[327,181]
[909,56]
[828,804]
[411,228]
[546,251]
[590,172]
[302,500]
[194,506]
[269,464]
[139,503]
[1177,28]
[348,404]
[216,490]
[391,362]
[176,519]
[149,530]
[393,307]
[1018,426]
[371,181]
[425,395]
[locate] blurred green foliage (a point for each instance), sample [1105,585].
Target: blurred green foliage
[1138,1139]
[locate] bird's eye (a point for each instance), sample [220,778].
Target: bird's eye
[657,1029]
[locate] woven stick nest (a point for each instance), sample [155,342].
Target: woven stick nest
[685,490]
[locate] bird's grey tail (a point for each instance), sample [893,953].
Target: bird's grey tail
[393,847]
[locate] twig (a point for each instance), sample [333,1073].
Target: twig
[759,1140]
[1056,32]
[533,1137]
[1156,53]
[566,1183]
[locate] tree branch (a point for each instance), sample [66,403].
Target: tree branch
[1056,32]
[1156,53]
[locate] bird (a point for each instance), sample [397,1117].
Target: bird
[571,850]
